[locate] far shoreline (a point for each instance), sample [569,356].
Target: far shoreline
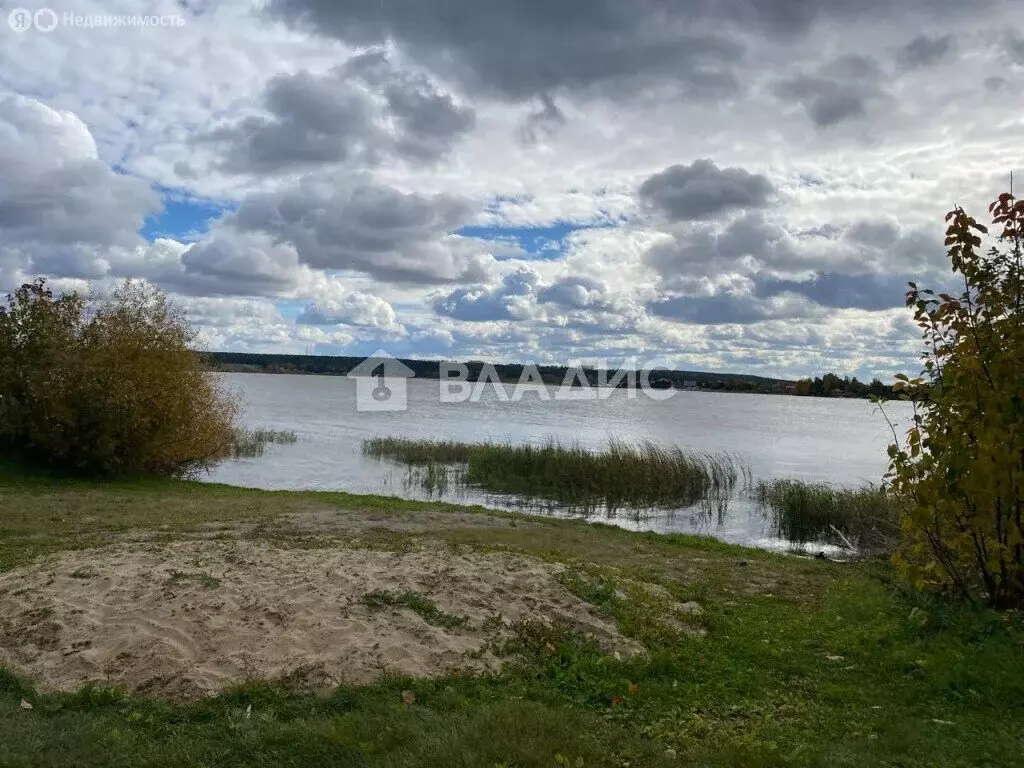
[509,373]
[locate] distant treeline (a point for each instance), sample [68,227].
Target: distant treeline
[831,385]
[244,362]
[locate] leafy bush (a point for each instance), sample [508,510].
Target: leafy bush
[109,387]
[961,471]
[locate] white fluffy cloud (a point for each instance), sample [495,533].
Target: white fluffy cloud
[59,204]
[355,308]
[745,190]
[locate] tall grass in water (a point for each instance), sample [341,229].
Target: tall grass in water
[865,518]
[642,476]
[430,477]
[252,443]
[418,451]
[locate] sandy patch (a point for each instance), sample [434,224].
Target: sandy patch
[189,617]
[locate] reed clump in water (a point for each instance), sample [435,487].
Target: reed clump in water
[864,518]
[252,443]
[431,477]
[418,452]
[640,476]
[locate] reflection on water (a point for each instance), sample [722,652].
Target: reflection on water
[448,481]
[732,517]
[623,476]
[818,440]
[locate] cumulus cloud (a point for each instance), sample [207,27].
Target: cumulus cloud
[370,228]
[754,243]
[754,269]
[427,122]
[841,90]
[56,196]
[238,265]
[229,313]
[925,51]
[348,148]
[836,290]
[731,309]
[574,292]
[356,113]
[481,303]
[312,120]
[276,244]
[703,190]
[1013,45]
[749,243]
[521,50]
[545,121]
[556,312]
[356,308]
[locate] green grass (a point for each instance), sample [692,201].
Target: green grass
[423,606]
[641,476]
[866,518]
[805,662]
[43,512]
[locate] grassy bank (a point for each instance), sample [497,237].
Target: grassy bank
[865,518]
[804,662]
[639,476]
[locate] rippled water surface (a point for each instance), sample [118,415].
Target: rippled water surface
[833,440]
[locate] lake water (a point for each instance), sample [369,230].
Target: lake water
[837,441]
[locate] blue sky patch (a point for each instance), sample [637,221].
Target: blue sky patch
[538,242]
[184,217]
[291,308]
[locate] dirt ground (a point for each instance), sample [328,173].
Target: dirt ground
[188,617]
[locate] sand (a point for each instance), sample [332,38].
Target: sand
[187,618]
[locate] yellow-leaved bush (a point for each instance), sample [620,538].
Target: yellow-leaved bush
[109,387]
[960,473]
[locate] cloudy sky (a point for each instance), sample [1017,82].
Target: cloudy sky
[736,185]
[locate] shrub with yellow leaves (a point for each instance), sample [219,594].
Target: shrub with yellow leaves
[959,475]
[110,387]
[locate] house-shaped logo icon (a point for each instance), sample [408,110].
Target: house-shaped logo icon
[380,383]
